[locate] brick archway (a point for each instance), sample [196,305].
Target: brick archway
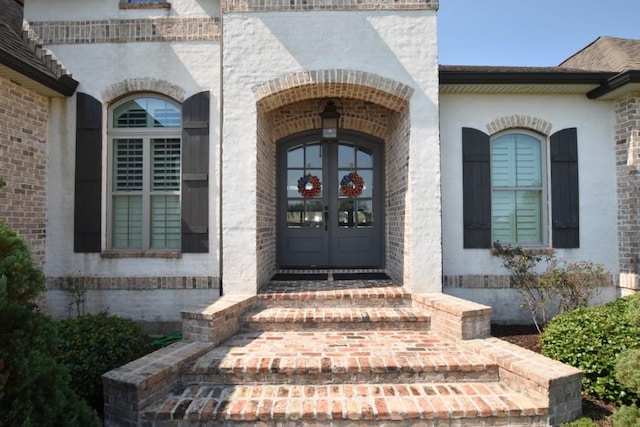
[351,84]
[372,104]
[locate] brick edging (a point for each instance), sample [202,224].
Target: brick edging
[454,317]
[558,384]
[130,388]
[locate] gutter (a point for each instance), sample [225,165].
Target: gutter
[615,82]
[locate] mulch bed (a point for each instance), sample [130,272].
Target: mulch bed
[527,336]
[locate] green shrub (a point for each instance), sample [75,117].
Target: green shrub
[627,416]
[591,339]
[94,344]
[581,422]
[36,391]
[24,281]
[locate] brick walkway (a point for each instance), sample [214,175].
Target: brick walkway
[316,354]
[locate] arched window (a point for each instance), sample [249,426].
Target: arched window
[144,174]
[518,188]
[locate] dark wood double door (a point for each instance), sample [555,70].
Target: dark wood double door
[330,211]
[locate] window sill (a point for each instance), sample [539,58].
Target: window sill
[147,5]
[531,251]
[164,255]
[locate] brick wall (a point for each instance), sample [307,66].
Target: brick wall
[23,164]
[628,179]
[265,199]
[397,171]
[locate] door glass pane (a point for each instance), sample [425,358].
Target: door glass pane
[367,177]
[365,158]
[295,157]
[313,156]
[346,156]
[295,214]
[305,214]
[346,213]
[364,217]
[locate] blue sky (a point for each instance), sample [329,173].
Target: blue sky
[529,32]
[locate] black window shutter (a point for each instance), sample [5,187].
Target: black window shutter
[195,174]
[88,174]
[565,219]
[476,188]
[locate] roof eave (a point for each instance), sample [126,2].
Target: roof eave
[64,85]
[522,77]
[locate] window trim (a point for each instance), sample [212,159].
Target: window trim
[545,174]
[147,134]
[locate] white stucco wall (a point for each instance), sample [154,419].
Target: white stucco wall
[595,123]
[194,67]
[259,47]
[190,66]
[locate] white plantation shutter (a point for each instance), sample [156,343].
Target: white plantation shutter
[516,177]
[127,165]
[165,164]
[165,208]
[127,208]
[165,222]
[127,222]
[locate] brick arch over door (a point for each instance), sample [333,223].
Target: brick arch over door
[351,84]
[372,104]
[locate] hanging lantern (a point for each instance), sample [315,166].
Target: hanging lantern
[330,120]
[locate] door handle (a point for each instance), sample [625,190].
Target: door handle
[326,217]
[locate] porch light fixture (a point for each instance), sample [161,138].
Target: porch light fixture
[330,120]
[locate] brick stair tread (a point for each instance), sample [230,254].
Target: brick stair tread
[337,315]
[371,296]
[362,356]
[348,402]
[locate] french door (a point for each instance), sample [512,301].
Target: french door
[330,193]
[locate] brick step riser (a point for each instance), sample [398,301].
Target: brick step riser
[347,405]
[356,302]
[392,325]
[327,378]
[424,420]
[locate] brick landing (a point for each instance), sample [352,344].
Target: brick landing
[328,354]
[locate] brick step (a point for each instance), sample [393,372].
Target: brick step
[339,357]
[383,296]
[334,318]
[468,404]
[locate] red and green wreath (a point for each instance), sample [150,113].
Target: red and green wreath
[314,190]
[352,185]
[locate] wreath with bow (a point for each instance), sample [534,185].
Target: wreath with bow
[316,186]
[352,185]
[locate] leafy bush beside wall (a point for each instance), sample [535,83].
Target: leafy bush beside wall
[591,339]
[94,344]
